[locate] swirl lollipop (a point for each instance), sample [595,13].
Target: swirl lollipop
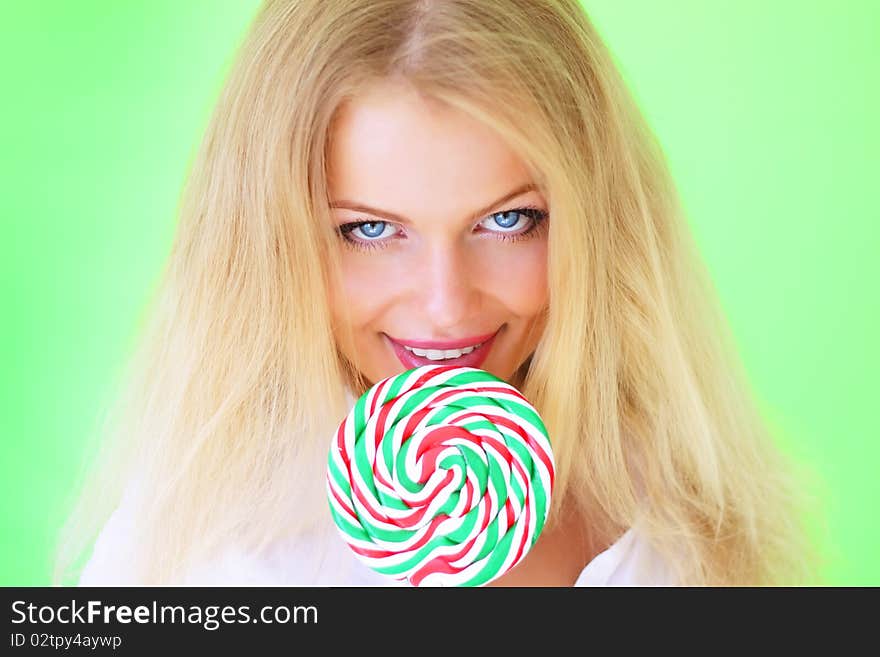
[441,476]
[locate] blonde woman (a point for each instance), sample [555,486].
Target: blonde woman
[388,183]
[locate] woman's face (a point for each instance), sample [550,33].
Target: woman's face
[440,262]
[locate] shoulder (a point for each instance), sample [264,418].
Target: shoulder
[316,559]
[110,563]
[629,561]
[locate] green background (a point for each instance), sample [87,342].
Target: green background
[768,113]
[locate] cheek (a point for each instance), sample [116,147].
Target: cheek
[363,290]
[518,277]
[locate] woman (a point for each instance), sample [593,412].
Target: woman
[377,179]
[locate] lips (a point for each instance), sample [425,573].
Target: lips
[472,359]
[445,344]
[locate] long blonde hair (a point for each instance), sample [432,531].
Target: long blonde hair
[236,385]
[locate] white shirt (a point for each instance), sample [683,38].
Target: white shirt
[327,561]
[629,561]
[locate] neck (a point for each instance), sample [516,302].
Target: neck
[558,557]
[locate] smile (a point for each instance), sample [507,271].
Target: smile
[467,352]
[444,354]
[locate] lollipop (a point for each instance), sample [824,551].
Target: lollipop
[441,476]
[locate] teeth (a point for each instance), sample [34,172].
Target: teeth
[441,354]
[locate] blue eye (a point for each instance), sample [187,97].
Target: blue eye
[507,219]
[372,229]
[367,231]
[518,221]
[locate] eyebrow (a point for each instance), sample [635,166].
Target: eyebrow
[359,207]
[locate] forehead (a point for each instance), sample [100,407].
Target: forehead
[392,145]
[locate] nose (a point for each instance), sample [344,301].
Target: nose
[447,288]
